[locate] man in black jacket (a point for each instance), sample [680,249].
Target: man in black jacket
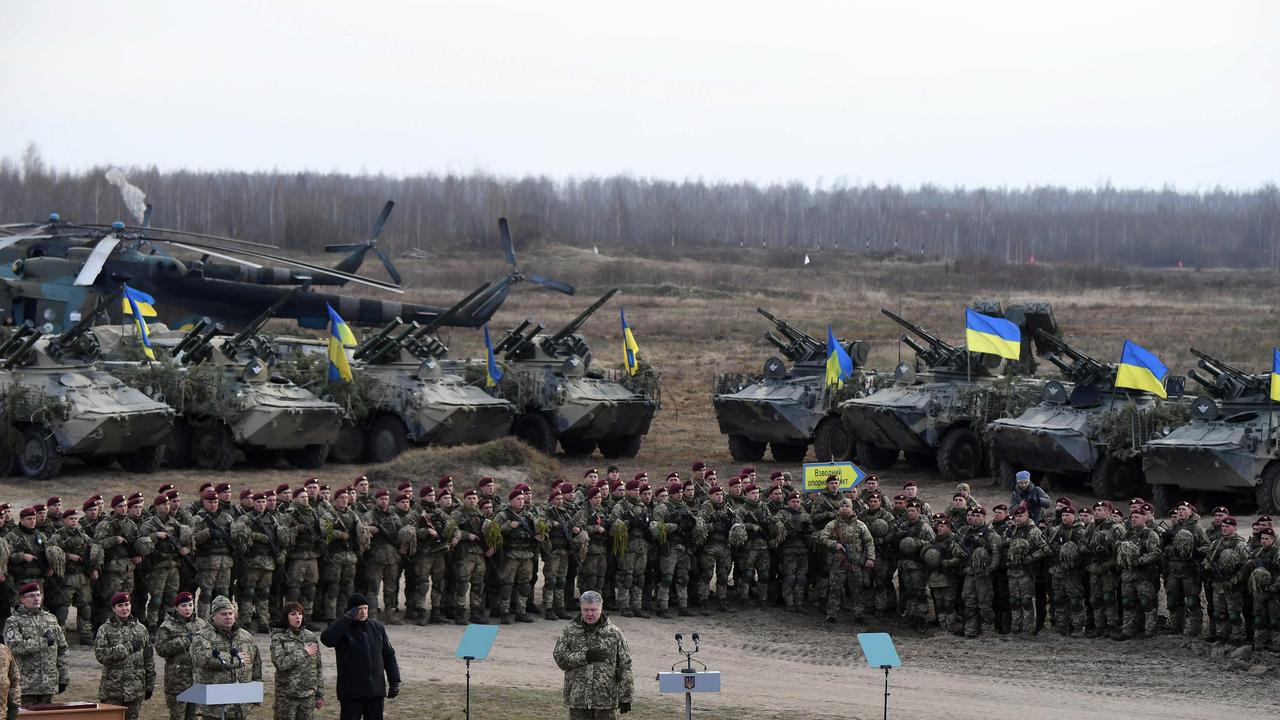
[364,658]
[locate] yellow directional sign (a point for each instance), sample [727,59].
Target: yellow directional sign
[816,474]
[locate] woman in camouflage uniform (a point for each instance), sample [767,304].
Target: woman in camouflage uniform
[124,649]
[295,653]
[173,643]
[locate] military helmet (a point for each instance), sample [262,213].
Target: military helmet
[1230,559]
[879,528]
[1069,552]
[1259,582]
[932,557]
[1184,543]
[1127,554]
[980,559]
[1019,549]
[908,546]
[738,535]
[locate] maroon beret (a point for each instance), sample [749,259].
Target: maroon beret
[485,481]
[514,492]
[444,481]
[748,487]
[1228,520]
[633,485]
[165,488]
[118,598]
[208,495]
[299,492]
[588,471]
[246,493]
[160,500]
[223,487]
[28,588]
[55,500]
[382,493]
[282,488]
[593,492]
[69,514]
[182,597]
[698,465]
[118,500]
[206,486]
[642,475]
[470,492]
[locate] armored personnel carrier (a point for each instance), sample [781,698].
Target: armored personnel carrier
[404,392]
[937,412]
[58,404]
[1228,446]
[1083,427]
[228,400]
[787,409]
[560,399]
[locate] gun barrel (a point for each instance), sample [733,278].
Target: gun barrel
[911,343]
[935,342]
[1206,382]
[793,333]
[19,333]
[1216,366]
[777,341]
[431,325]
[511,337]
[190,337]
[577,322]
[231,346]
[86,323]
[1063,366]
[376,339]
[16,356]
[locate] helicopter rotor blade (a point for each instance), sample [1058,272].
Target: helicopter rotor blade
[507,246]
[382,219]
[386,262]
[206,251]
[32,234]
[185,233]
[92,266]
[323,270]
[547,282]
[345,248]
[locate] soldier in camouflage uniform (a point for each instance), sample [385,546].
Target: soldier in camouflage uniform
[35,638]
[794,528]
[1264,586]
[1226,565]
[213,540]
[346,541]
[632,517]
[594,524]
[170,543]
[82,568]
[519,542]
[306,542]
[1067,544]
[674,529]
[984,551]
[115,534]
[884,530]
[173,643]
[754,555]
[1183,543]
[383,559]
[124,650]
[295,653]
[914,535]
[469,561]
[822,508]
[1138,557]
[224,653]
[556,547]
[1025,549]
[596,662]
[1101,538]
[852,552]
[265,541]
[716,559]
[435,536]
[946,563]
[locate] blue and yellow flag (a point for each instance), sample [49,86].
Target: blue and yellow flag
[340,338]
[492,373]
[1141,370]
[839,364]
[1275,374]
[630,350]
[137,303]
[990,335]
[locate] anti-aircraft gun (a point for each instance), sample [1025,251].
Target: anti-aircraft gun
[561,399]
[198,344]
[788,408]
[936,413]
[58,404]
[1081,369]
[418,340]
[1227,446]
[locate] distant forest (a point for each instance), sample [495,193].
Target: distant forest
[303,211]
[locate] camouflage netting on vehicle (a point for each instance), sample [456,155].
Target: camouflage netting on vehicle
[356,398]
[1005,398]
[730,383]
[647,381]
[202,389]
[1124,431]
[466,463]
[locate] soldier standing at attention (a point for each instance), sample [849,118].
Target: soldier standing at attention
[36,641]
[10,683]
[383,559]
[519,540]
[596,662]
[853,551]
[295,653]
[916,535]
[173,643]
[212,535]
[83,563]
[224,653]
[123,647]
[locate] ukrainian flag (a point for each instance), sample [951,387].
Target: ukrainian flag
[630,350]
[1275,374]
[493,373]
[990,335]
[839,364]
[136,303]
[340,338]
[1141,370]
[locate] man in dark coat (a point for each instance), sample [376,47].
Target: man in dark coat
[366,662]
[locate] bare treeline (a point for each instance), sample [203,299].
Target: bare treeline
[1102,226]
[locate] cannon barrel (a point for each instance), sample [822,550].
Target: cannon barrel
[72,334]
[232,346]
[16,356]
[577,322]
[376,339]
[189,338]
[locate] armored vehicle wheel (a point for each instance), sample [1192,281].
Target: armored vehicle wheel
[1005,474]
[1268,490]
[788,452]
[212,447]
[39,457]
[1164,497]
[537,431]
[620,446]
[98,462]
[263,457]
[875,457]
[832,441]
[307,458]
[579,447]
[743,449]
[143,461]
[1114,479]
[7,455]
[177,451]
[959,455]
[387,438]
[921,461]
[349,447]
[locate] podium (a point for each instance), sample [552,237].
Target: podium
[74,711]
[223,694]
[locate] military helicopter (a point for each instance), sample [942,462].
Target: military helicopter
[51,273]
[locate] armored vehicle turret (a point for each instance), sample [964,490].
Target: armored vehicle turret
[937,411]
[790,407]
[1227,446]
[58,404]
[1083,427]
[560,399]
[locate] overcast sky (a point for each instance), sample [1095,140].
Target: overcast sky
[1137,92]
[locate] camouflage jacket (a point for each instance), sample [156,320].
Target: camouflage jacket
[164,552]
[599,684]
[26,542]
[342,531]
[559,535]
[76,542]
[173,643]
[108,533]
[755,518]
[595,523]
[298,675]
[35,638]
[212,533]
[1066,547]
[1025,547]
[636,516]
[213,660]
[265,540]
[305,535]
[1228,573]
[384,546]
[470,523]
[718,519]
[1146,542]
[124,649]
[794,528]
[431,517]
[1102,538]
[517,542]
[982,536]
[853,534]
[921,531]
[10,679]
[680,521]
[949,571]
[887,541]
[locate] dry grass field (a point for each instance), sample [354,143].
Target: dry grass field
[694,316]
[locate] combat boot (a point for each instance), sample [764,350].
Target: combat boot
[549,614]
[393,618]
[686,612]
[436,617]
[642,614]
[704,610]
[462,620]
[476,619]
[561,614]
[626,612]
[665,614]
[524,617]
[508,619]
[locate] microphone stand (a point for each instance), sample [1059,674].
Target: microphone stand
[688,668]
